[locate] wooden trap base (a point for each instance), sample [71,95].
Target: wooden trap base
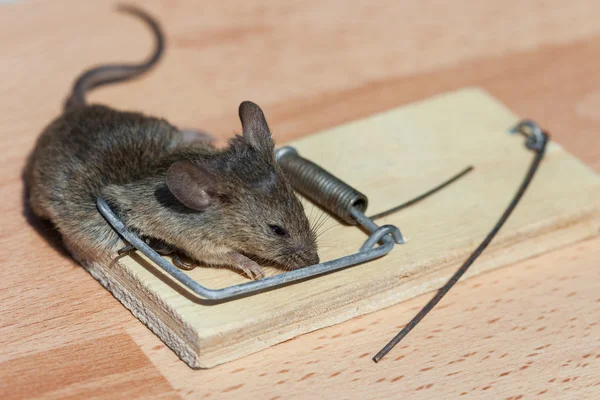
[391,157]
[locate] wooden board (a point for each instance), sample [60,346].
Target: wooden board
[391,157]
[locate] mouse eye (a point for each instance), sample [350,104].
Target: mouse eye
[279,231]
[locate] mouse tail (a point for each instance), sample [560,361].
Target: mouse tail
[111,73]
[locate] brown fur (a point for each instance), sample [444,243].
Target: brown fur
[218,206]
[125,157]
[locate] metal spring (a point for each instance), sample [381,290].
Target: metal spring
[320,186]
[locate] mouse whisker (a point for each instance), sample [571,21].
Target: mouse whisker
[335,223]
[321,223]
[315,222]
[320,234]
[312,209]
[319,216]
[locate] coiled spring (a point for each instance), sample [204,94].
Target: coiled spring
[320,186]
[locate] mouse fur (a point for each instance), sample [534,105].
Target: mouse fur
[228,206]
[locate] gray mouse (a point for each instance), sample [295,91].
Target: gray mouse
[229,206]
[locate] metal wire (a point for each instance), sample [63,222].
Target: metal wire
[535,142]
[424,195]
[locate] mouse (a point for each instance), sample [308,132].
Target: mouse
[228,206]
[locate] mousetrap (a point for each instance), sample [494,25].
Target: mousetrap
[209,316]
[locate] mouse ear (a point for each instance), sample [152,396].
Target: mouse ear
[191,184]
[254,125]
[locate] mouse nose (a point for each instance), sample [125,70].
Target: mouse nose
[306,257]
[311,258]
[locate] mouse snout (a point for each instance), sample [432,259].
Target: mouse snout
[306,257]
[312,258]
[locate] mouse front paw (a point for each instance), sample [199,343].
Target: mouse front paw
[251,269]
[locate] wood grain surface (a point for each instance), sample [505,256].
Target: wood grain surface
[527,331]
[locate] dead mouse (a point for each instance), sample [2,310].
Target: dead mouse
[218,206]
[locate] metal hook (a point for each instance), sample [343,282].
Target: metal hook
[380,233]
[535,136]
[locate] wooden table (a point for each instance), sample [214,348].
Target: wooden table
[526,331]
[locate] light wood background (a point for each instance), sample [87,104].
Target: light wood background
[527,331]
